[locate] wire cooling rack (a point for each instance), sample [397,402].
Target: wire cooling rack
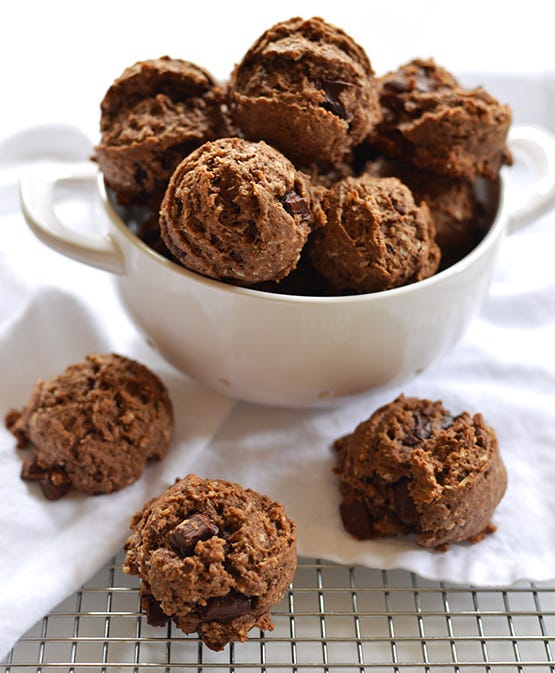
[333,618]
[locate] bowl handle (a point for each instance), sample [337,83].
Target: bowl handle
[538,146]
[37,203]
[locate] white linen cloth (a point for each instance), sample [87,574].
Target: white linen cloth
[54,311]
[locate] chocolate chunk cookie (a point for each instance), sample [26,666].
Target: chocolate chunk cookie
[307,88]
[431,121]
[94,427]
[153,115]
[376,237]
[412,467]
[213,556]
[238,211]
[460,219]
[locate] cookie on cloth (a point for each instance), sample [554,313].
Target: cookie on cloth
[412,467]
[94,427]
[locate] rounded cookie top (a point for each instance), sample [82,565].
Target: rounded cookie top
[460,218]
[172,77]
[95,426]
[412,467]
[376,236]
[306,87]
[431,121]
[154,114]
[213,556]
[237,210]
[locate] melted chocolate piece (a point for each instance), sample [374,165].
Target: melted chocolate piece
[222,608]
[140,175]
[55,484]
[421,431]
[295,204]
[423,428]
[403,504]
[356,521]
[397,84]
[155,616]
[447,421]
[332,89]
[420,81]
[197,527]
[31,470]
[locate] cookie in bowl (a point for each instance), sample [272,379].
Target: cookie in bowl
[154,114]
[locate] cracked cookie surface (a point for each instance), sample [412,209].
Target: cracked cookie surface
[413,467]
[238,211]
[213,556]
[94,427]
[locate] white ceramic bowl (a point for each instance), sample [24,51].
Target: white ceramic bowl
[289,350]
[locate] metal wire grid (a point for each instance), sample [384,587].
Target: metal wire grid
[349,619]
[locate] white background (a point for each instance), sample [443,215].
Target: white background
[58,58]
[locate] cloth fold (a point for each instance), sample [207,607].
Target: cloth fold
[53,311]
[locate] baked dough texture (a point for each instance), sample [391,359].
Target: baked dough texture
[376,236]
[307,88]
[154,114]
[238,211]
[93,427]
[460,218]
[430,120]
[414,468]
[213,556]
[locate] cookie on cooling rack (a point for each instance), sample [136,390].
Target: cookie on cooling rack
[213,556]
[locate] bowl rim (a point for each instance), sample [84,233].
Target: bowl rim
[496,228]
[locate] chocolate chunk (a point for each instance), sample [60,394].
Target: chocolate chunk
[197,527]
[422,430]
[420,81]
[295,204]
[354,515]
[423,83]
[404,505]
[140,175]
[31,470]
[222,608]
[447,421]
[155,616]
[55,484]
[397,84]
[332,89]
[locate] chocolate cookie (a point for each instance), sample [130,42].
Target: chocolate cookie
[376,236]
[459,217]
[412,467]
[306,88]
[431,121]
[94,427]
[238,211]
[153,115]
[213,556]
